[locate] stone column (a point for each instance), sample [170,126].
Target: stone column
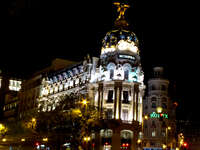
[100,89]
[133,105]
[115,103]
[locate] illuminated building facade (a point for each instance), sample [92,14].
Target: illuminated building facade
[159,128]
[9,88]
[31,87]
[113,83]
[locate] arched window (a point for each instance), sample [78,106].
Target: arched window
[153,101]
[126,68]
[111,67]
[111,73]
[164,105]
[126,74]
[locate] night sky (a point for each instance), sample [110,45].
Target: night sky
[34,32]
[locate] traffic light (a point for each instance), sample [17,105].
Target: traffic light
[185,146]
[125,145]
[37,143]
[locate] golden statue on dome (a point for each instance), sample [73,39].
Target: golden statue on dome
[121,8]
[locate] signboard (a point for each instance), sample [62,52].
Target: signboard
[155,115]
[126,57]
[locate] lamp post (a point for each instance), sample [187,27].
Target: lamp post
[140,140]
[86,140]
[167,129]
[3,130]
[33,120]
[84,103]
[159,109]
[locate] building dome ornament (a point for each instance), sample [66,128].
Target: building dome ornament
[120,38]
[121,8]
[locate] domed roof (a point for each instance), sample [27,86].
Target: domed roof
[120,39]
[114,36]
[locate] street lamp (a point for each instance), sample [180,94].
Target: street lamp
[45,139]
[84,102]
[164,146]
[33,120]
[23,140]
[4,140]
[159,109]
[168,128]
[3,129]
[86,139]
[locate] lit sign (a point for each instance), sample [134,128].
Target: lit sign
[127,57]
[155,115]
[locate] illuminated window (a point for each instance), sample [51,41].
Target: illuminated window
[109,114]
[153,133]
[125,114]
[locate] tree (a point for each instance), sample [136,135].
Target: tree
[70,121]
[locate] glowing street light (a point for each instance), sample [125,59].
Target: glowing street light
[159,109]
[86,139]
[164,146]
[84,101]
[23,140]
[33,120]
[139,141]
[146,117]
[45,139]
[4,140]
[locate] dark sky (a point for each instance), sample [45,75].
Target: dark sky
[36,31]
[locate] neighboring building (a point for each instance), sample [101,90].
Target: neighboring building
[9,88]
[160,127]
[31,87]
[113,82]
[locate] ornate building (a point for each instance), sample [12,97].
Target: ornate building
[160,125]
[113,83]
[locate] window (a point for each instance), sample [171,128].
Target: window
[153,133]
[125,114]
[164,105]
[153,105]
[111,73]
[109,114]
[153,87]
[110,96]
[164,99]
[153,100]
[163,87]
[126,74]
[125,97]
